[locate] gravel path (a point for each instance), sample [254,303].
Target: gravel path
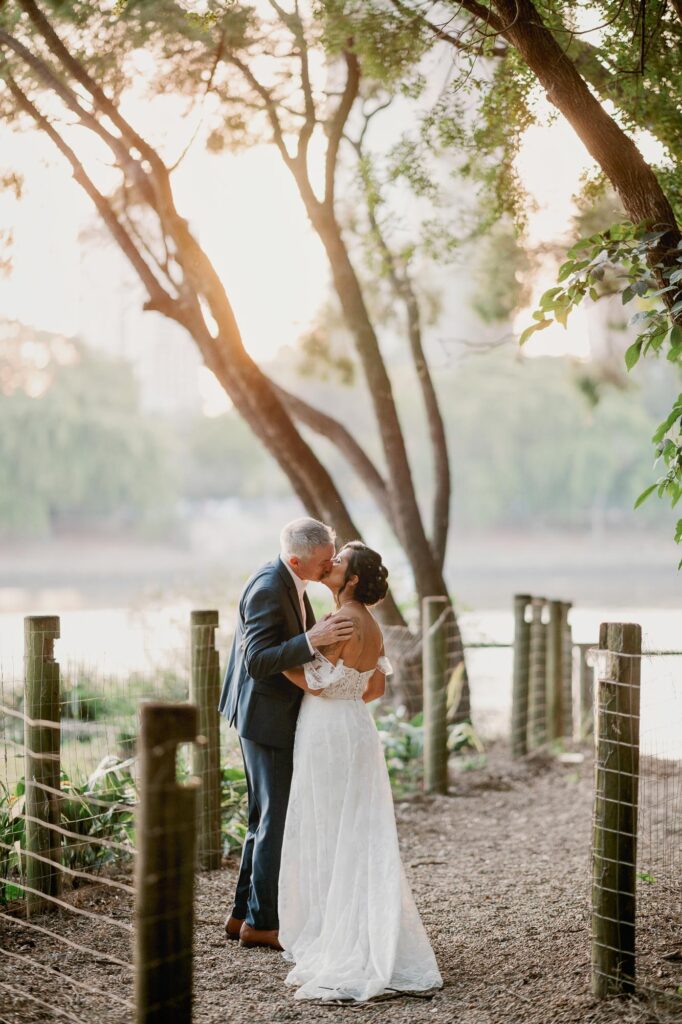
[500,871]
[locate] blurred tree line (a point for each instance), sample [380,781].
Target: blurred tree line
[531,449]
[75,450]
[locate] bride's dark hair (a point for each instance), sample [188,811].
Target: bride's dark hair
[372,574]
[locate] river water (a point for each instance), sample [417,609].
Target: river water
[150,641]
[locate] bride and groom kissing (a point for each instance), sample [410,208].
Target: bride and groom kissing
[321,878]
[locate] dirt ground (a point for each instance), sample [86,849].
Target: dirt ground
[500,870]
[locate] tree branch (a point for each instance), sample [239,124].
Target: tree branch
[440,33]
[159,299]
[270,106]
[338,124]
[404,291]
[342,438]
[294,24]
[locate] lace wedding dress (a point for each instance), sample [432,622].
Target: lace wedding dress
[347,918]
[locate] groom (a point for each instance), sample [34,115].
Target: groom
[276,630]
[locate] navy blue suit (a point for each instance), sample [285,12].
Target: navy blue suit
[263,706]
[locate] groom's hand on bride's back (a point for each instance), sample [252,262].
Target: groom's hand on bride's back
[332,629]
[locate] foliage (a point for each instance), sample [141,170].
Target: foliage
[626,249]
[99,809]
[54,392]
[501,274]
[12,829]
[403,743]
[631,62]
[220,458]
[102,808]
[234,811]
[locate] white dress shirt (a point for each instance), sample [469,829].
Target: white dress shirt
[300,590]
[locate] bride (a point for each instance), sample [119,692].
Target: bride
[347,919]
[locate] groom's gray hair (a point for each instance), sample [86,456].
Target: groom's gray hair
[301,536]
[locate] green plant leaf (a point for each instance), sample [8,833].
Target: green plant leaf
[548,297]
[676,335]
[667,423]
[633,353]
[645,494]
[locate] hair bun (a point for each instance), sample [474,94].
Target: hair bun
[366,564]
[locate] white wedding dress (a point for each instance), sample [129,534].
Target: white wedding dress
[347,918]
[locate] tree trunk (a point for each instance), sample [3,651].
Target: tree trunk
[617,155]
[428,576]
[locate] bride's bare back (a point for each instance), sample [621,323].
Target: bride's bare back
[365,646]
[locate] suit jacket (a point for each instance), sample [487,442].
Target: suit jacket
[256,698]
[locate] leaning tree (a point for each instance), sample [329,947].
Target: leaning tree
[297,82]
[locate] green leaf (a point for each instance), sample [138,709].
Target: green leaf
[645,494]
[582,243]
[678,533]
[633,353]
[532,329]
[676,335]
[548,297]
[667,423]
[645,314]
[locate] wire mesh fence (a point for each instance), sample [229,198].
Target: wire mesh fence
[72,864]
[637,823]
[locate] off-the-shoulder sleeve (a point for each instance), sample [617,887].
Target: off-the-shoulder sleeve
[321,673]
[384,666]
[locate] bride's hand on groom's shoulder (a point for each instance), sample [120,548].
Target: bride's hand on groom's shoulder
[334,628]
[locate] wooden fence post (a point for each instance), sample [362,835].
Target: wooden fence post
[205,693]
[614,840]
[519,722]
[586,686]
[567,670]
[537,676]
[435,695]
[555,670]
[164,882]
[42,764]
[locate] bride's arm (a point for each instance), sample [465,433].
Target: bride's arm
[376,686]
[297,675]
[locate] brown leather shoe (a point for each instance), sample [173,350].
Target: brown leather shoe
[250,937]
[232,926]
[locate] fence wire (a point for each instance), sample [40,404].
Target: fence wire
[637,826]
[483,662]
[80,797]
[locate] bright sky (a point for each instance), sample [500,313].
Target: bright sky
[246,213]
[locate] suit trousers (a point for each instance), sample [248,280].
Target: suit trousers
[268,780]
